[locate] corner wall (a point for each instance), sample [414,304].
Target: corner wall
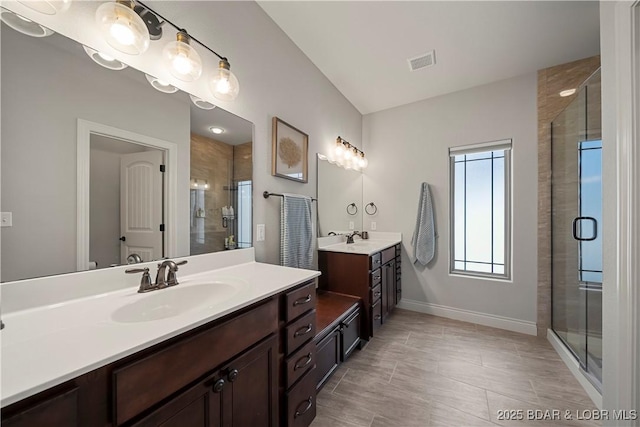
[408,145]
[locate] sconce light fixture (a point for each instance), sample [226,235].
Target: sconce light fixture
[199,184]
[183,61]
[23,25]
[224,83]
[347,156]
[122,27]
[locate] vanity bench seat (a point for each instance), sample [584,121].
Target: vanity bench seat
[338,322]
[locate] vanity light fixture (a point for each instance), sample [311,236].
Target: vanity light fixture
[201,103]
[196,183]
[182,59]
[348,156]
[160,85]
[567,92]
[122,28]
[48,7]
[104,60]
[216,130]
[224,84]
[23,25]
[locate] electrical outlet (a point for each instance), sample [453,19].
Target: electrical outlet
[260,233]
[373,225]
[6,219]
[351,225]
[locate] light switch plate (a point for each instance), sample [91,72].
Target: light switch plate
[373,225]
[6,220]
[351,225]
[260,233]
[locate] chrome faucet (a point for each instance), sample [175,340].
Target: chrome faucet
[350,236]
[165,277]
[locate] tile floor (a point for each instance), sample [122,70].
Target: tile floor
[422,370]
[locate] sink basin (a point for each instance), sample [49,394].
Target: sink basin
[174,301]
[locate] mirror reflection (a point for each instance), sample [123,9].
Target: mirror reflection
[340,207]
[99,168]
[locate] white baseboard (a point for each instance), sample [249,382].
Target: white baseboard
[574,367]
[485,319]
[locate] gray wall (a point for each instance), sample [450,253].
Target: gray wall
[44,92]
[409,144]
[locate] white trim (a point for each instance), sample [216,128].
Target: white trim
[85,129]
[621,291]
[573,365]
[500,322]
[504,144]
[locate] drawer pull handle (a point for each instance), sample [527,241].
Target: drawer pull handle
[376,261]
[301,301]
[233,375]
[376,278]
[377,294]
[303,331]
[377,317]
[309,359]
[218,386]
[309,403]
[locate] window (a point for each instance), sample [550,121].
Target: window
[480,210]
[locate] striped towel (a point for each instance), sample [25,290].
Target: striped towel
[424,236]
[296,232]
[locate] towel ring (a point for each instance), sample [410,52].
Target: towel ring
[371,211]
[352,209]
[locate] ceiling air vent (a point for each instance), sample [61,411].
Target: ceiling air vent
[423,61]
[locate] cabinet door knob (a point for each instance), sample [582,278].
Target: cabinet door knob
[218,386]
[233,375]
[377,294]
[298,366]
[309,404]
[303,300]
[304,330]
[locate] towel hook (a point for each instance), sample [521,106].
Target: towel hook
[352,209]
[371,211]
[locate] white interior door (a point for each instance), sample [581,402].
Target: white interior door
[141,205]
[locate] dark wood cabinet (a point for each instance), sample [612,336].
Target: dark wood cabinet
[373,278]
[327,356]
[225,373]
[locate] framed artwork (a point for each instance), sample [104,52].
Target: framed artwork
[290,146]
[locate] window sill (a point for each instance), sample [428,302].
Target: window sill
[481,277]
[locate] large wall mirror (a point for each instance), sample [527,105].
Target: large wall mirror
[340,207]
[99,168]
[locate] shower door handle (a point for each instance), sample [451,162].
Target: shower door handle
[575,228]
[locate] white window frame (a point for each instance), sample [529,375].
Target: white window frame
[505,145]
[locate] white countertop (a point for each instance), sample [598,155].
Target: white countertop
[48,345]
[376,243]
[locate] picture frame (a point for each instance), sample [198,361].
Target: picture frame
[290,152]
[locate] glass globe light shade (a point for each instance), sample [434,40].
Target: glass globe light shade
[339,150]
[224,84]
[48,7]
[182,59]
[364,162]
[348,154]
[122,28]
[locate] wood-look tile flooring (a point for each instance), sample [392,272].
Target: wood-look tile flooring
[422,370]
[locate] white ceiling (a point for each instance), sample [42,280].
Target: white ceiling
[362,47]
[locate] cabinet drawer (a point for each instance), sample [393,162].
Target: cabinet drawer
[301,401]
[376,315]
[300,362]
[60,410]
[350,336]
[388,254]
[327,357]
[375,277]
[300,300]
[140,384]
[300,331]
[376,293]
[375,261]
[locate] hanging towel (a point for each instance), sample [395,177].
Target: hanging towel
[296,232]
[424,236]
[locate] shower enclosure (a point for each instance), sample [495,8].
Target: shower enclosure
[576,209]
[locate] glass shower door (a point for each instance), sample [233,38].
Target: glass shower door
[576,198]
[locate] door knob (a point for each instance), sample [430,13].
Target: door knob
[123,238]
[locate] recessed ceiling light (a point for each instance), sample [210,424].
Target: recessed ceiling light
[567,92]
[216,130]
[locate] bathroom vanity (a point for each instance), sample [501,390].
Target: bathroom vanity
[225,347]
[369,269]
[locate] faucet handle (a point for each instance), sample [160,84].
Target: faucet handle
[145,281]
[172,278]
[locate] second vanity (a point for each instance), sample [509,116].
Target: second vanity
[225,347]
